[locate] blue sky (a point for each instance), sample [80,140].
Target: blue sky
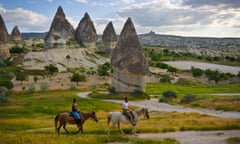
[212,18]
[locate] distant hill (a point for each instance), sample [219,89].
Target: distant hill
[33,35]
[172,41]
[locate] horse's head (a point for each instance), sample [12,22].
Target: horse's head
[145,112]
[94,116]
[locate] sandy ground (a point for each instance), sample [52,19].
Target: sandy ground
[195,137]
[187,137]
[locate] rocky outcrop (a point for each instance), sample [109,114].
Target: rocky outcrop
[61,31]
[109,38]
[3,31]
[86,32]
[4,50]
[15,34]
[128,61]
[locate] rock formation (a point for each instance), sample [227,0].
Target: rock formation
[4,51]
[86,32]
[60,32]
[128,61]
[109,38]
[15,34]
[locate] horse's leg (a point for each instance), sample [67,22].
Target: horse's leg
[111,127]
[134,129]
[64,126]
[119,126]
[59,127]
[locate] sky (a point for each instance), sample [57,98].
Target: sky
[204,18]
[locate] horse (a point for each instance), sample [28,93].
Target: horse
[119,117]
[66,117]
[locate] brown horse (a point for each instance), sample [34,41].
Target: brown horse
[66,117]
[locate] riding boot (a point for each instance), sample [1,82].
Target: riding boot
[78,122]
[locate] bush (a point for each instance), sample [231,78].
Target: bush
[112,90]
[44,86]
[165,79]
[137,92]
[161,65]
[197,72]
[4,93]
[188,98]
[169,94]
[73,86]
[6,83]
[31,88]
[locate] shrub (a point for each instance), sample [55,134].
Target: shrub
[169,94]
[73,86]
[31,88]
[165,79]
[188,98]
[197,72]
[6,83]
[137,92]
[44,86]
[112,90]
[4,93]
[161,65]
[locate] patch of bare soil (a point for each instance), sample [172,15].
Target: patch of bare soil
[195,137]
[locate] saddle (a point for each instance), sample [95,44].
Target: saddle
[129,115]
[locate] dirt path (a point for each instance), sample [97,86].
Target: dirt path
[195,137]
[154,105]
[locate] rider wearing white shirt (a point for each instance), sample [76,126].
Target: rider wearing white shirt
[126,110]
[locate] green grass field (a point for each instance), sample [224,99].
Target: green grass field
[29,118]
[203,93]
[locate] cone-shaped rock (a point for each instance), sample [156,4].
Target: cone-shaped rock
[15,34]
[3,31]
[86,32]
[109,38]
[128,61]
[61,31]
[4,51]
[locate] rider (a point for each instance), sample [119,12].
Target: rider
[126,110]
[75,112]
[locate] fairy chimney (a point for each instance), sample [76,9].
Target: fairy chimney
[15,34]
[4,50]
[60,32]
[109,38]
[128,61]
[86,33]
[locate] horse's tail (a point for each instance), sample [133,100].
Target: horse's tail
[109,118]
[56,121]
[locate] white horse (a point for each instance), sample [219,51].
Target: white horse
[119,117]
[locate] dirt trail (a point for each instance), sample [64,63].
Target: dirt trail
[195,137]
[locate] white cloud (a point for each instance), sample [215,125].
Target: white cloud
[82,1]
[26,20]
[128,1]
[175,17]
[49,0]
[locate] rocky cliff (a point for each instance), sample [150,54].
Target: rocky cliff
[60,32]
[86,32]
[109,38]
[15,34]
[4,50]
[128,61]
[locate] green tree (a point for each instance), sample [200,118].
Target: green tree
[51,69]
[78,78]
[196,72]
[103,70]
